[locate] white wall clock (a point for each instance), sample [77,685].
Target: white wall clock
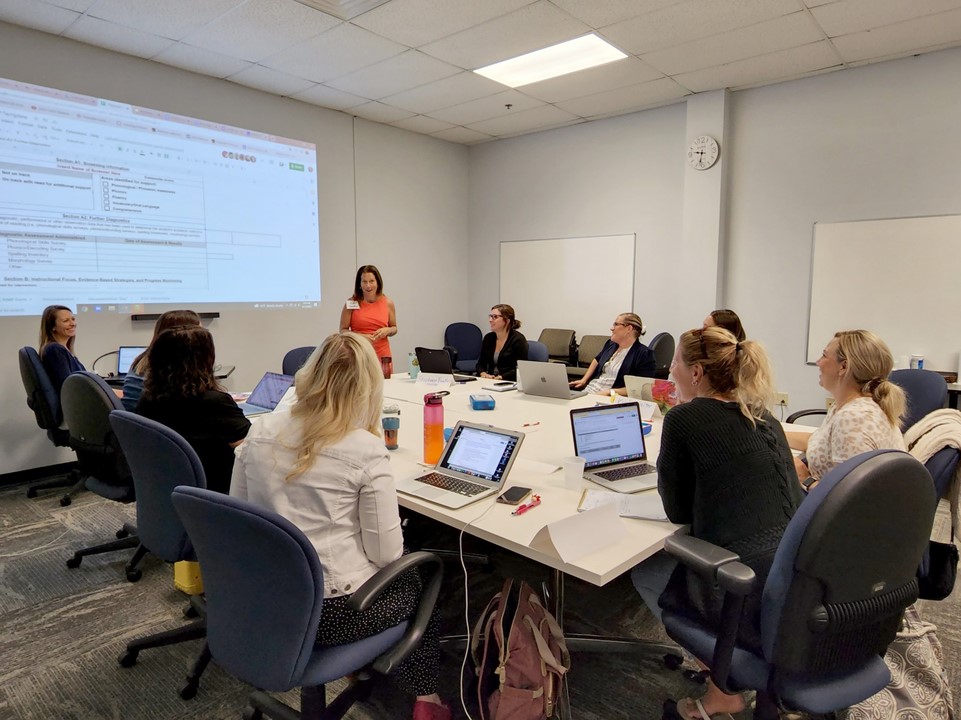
[703,152]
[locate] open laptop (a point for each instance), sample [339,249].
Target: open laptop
[125,357]
[545,379]
[473,466]
[267,394]
[611,441]
[438,361]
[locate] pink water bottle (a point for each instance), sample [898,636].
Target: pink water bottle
[433,426]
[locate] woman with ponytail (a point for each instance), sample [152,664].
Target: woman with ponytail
[867,409]
[726,469]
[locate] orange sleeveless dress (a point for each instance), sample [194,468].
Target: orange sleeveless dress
[369,317]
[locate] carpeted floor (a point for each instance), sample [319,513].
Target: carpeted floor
[62,630]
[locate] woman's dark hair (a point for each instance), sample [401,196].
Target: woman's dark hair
[358,293]
[170,319]
[507,312]
[48,321]
[729,320]
[180,363]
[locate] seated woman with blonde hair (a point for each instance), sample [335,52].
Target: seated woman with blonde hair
[322,464]
[867,409]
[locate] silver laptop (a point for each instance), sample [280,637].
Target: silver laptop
[267,394]
[125,357]
[473,466]
[639,388]
[611,441]
[545,379]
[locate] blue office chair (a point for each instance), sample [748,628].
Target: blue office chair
[841,578]
[265,594]
[662,345]
[295,359]
[160,460]
[87,403]
[537,351]
[42,398]
[466,339]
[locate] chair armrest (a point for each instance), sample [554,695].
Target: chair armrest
[432,573]
[804,413]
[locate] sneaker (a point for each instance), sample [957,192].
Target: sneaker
[424,710]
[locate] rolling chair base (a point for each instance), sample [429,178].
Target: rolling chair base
[72,480]
[130,541]
[313,703]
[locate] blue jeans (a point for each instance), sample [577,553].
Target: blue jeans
[650,579]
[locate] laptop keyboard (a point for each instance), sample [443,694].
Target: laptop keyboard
[627,472]
[453,484]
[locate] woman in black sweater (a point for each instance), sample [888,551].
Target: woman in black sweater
[503,346]
[726,469]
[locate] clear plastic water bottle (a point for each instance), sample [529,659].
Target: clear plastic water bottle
[433,426]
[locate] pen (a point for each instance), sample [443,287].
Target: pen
[533,424]
[535,501]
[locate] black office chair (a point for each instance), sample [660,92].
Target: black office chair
[662,345]
[466,338]
[160,460]
[42,398]
[561,345]
[87,403]
[295,359]
[841,578]
[265,594]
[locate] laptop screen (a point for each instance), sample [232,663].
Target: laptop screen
[125,357]
[608,434]
[483,453]
[270,390]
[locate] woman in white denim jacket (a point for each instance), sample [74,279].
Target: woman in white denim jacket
[322,464]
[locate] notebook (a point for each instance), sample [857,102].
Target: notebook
[473,466]
[125,357]
[545,379]
[611,441]
[267,394]
[438,361]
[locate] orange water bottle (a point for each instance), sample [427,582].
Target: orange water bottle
[433,426]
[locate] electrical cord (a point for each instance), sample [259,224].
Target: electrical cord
[93,365]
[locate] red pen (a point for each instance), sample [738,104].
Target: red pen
[535,501]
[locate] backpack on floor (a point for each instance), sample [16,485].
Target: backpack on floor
[520,656]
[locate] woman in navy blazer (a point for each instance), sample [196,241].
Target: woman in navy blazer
[623,354]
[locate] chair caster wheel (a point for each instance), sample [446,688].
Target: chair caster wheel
[251,713]
[128,659]
[65,500]
[698,676]
[134,575]
[189,691]
[31,492]
[122,533]
[673,662]
[75,561]
[190,612]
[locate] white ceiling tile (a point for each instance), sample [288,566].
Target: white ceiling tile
[116,37]
[272,81]
[789,63]
[462,135]
[418,22]
[627,99]
[453,90]
[389,77]
[760,39]
[607,12]
[692,20]
[378,112]
[334,53]
[37,15]
[540,118]
[422,124]
[199,60]
[620,73]
[77,5]
[531,28]
[851,16]
[903,38]
[817,3]
[486,107]
[260,28]
[329,98]
[170,18]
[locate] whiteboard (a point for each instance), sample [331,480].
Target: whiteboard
[898,278]
[579,283]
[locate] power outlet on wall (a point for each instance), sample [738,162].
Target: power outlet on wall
[782,399]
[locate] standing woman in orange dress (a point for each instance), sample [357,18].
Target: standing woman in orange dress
[369,312]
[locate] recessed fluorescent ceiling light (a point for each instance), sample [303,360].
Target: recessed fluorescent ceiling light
[566,57]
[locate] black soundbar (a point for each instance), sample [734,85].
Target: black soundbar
[153,317]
